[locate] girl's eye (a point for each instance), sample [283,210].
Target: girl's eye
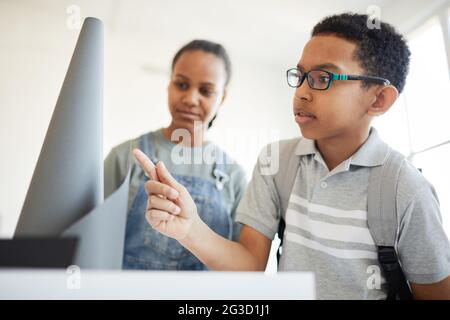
[181,85]
[206,92]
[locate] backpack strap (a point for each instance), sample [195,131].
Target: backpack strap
[284,182]
[382,211]
[383,222]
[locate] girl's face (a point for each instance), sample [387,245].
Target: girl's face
[196,89]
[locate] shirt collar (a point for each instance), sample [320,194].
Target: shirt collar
[373,151]
[305,147]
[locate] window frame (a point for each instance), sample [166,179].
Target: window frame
[443,16]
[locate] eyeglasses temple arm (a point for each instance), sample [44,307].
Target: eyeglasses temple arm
[378,79]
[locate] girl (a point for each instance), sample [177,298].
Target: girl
[200,74]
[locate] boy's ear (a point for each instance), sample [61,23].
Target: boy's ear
[384,99]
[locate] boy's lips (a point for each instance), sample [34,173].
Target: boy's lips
[302,116]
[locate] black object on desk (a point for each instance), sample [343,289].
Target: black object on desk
[35,252]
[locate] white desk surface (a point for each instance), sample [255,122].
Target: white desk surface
[158,285]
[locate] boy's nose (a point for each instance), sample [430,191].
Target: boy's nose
[303,92]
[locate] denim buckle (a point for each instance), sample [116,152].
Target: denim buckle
[221,178]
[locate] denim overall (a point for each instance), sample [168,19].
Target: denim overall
[146,248]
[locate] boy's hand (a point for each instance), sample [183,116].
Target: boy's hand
[170,208]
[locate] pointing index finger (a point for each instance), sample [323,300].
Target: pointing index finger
[146,164]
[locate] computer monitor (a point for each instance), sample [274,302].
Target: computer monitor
[65,196]
[67,182]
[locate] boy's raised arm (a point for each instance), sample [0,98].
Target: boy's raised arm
[171,211]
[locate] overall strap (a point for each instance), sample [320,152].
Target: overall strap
[146,144]
[220,168]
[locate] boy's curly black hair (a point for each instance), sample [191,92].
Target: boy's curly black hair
[381,52]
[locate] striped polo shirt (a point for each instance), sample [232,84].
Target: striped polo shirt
[326,223]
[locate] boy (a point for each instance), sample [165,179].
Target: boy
[347,75]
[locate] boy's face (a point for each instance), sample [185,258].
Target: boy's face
[341,109]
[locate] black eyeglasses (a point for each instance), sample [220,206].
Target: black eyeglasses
[322,80]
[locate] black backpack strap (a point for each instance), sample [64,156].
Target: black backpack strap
[383,222]
[398,287]
[281,227]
